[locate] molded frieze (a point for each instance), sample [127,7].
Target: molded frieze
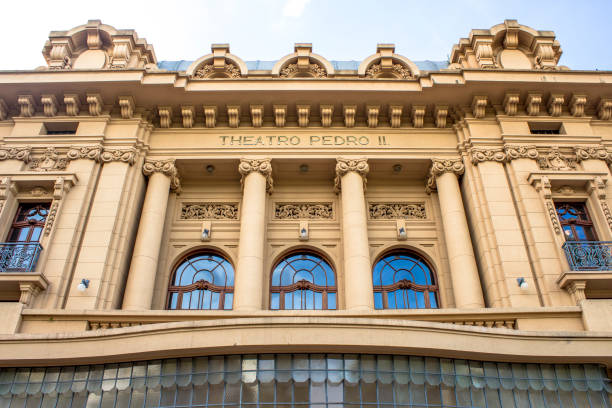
[481,155]
[50,160]
[122,155]
[597,152]
[521,152]
[303,211]
[209,211]
[84,152]
[396,211]
[15,153]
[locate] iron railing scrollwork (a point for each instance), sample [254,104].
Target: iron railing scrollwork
[19,256]
[589,255]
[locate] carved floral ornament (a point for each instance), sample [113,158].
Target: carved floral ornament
[597,152]
[314,70]
[397,211]
[53,159]
[165,167]
[303,211]
[261,166]
[398,70]
[207,71]
[209,211]
[344,166]
[441,166]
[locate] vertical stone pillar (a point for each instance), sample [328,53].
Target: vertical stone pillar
[141,278]
[351,178]
[256,181]
[464,272]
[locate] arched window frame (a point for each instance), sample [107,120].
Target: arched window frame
[223,290]
[405,284]
[282,290]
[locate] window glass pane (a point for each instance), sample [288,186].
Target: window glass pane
[331,301]
[229,299]
[378,301]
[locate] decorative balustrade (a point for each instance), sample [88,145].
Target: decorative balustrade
[19,256]
[588,255]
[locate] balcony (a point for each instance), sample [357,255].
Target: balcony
[590,269]
[19,256]
[588,255]
[18,281]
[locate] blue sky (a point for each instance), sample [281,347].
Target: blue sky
[338,29]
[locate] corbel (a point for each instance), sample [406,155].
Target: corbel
[511,40]
[95,104]
[210,116]
[165,116]
[479,106]
[188,114]
[303,115]
[577,290]
[29,290]
[418,115]
[49,103]
[386,52]
[219,52]
[233,115]
[94,41]
[604,109]
[349,115]
[127,106]
[533,102]
[395,115]
[555,104]
[440,115]
[511,101]
[280,115]
[545,54]
[3,110]
[372,112]
[327,115]
[122,51]
[26,105]
[73,104]
[577,104]
[257,113]
[484,51]
[303,51]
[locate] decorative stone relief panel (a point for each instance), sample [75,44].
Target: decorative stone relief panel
[208,71]
[49,161]
[291,70]
[209,211]
[394,211]
[555,160]
[303,211]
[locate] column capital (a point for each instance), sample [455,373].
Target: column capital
[347,165]
[261,166]
[91,152]
[15,153]
[480,155]
[521,152]
[166,167]
[441,166]
[127,155]
[593,152]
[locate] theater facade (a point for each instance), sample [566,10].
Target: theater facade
[305,232]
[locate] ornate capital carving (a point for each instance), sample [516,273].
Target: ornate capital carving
[521,152]
[555,160]
[441,166]
[262,166]
[481,155]
[166,167]
[123,155]
[50,160]
[344,166]
[15,153]
[84,152]
[597,152]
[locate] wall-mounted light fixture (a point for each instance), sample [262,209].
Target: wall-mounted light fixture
[210,169]
[397,168]
[303,168]
[83,285]
[522,283]
[400,228]
[303,231]
[206,232]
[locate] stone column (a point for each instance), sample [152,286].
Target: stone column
[464,272]
[256,181]
[351,178]
[141,278]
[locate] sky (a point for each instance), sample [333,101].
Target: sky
[338,29]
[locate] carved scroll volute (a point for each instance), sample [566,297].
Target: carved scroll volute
[123,155]
[521,152]
[15,153]
[597,152]
[344,166]
[126,103]
[441,166]
[327,115]
[166,167]
[481,155]
[395,115]
[280,115]
[188,114]
[479,106]
[440,115]
[84,152]
[349,115]
[261,166]
[604,109]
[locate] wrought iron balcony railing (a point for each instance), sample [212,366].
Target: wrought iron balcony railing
[589,255]
[19,256]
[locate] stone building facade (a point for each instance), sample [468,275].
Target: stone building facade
[305,231]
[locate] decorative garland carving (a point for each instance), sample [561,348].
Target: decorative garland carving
[262,166]
[301,211]
[343,166]
[209,211]
[481,155]
[441,166]
[399,71]
[49,161]
[166,167]
[552,213]
[555,160]
[521,152]
[84,152]
[598,186]
[597,152]
[15,153]
[123,155]
[397,211]
[208,70]
[291,70]
[51,217]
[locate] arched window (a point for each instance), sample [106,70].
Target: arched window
[303,280]
[204,280]
[403,280]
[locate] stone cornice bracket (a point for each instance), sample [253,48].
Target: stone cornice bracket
[262,166]
[303,115]
[343,166]
[188,114]
[233,115]
[210,116]
[167,167]
[26,105]
[349,112]
[49,103]
[257,115]
[479,106]
[521,152]
[511,102]
[597,152]
[84,152]
[126,103]
[95,104]
[482,155]
[395,115]
[555,104]
[604,109]
[3,110]
[123,155]
[577,104]
[441,166]
[372,112]
[15,153]
[440,115]
[418,115]
[533,103]
[73,104]
[327,115]
[165,116]
[280,115]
